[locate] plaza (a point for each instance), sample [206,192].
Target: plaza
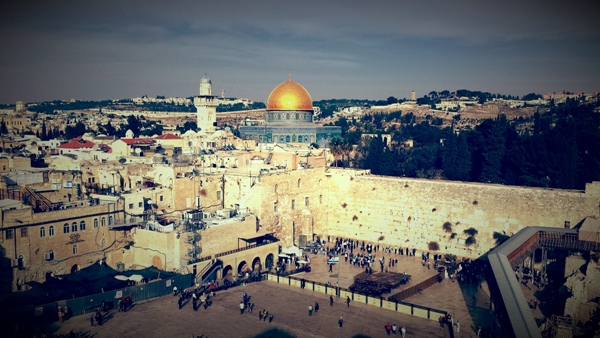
[288,304]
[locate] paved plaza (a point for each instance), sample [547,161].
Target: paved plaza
[289,305]
[160,317]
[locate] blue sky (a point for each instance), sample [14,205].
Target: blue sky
[336,49]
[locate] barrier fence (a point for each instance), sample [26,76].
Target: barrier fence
[88,304]
[393,305]
[413,290]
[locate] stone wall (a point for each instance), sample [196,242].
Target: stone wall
[407,212]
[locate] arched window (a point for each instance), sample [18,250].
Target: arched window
[51,255]
[103,221]
[82,226]
[51,230]
[102,243]
[287,139]
[75,249]
[74,227]
[298,183]
[320,183]
[66,228]
[110,220]
[95,222]
[42,232]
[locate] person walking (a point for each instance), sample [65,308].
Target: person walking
[330,300]
[310,310]
[316,307]
[340,321]
[457,324]
[394,329]
[388,328]
[403,332]
[348,301]
[242,307]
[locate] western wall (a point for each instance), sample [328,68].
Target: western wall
[401,211]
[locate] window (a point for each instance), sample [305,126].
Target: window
[306,201]
[51,230]
[42,232]
[219,194]
[140,204]
[293,204]
[51,255]
[74,227]
[567,224]
[102,243]
[82,226]
[298,183]
[275,187]
[9,234]
[66,228]
[130,205]
[95,222]
[75,249]
[320,199]
[275,206]
[24,232]
[103,221]
[110,220]
[160,198]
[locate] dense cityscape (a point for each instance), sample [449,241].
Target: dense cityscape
[299,169]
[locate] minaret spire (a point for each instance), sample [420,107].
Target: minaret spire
[289,76]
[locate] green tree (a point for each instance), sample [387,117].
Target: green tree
[134,124]
[3,128]
[44,133]
[77,130]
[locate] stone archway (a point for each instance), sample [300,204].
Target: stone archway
[270,261]
[256,264]
[227,270]
[243,266]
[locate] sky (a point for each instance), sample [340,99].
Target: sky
[97,50]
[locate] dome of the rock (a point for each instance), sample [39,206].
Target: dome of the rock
[289,95]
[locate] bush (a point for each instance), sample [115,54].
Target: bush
[471,232]
[433,246]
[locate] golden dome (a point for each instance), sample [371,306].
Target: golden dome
[289,95]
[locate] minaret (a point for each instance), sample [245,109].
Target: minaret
[206,106]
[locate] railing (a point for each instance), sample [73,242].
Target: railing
[208,267]
[252,246]
[397,306]
[413,290]
[39,202]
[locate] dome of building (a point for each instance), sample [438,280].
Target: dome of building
[289,95]
[205,79]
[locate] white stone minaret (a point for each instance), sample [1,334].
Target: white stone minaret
[206,106]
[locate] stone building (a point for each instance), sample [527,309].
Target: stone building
[57,241]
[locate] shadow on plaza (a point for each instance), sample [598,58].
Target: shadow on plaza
[274,333]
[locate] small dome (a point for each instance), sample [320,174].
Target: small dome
[205,79]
